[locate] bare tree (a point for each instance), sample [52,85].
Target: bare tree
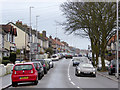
[95,20]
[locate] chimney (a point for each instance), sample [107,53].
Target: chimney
[50,37]
[44,33]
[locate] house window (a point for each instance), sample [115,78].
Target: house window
[3,41]
[8,37]
[13,39]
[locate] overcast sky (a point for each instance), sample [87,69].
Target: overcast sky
[48,11]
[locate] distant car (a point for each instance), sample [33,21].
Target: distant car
[55,57]
[24,72]
[51,63]
[68,55]
[80,55]
[85,69]
[44,63]
[76,61]
[112,67]
[40,69]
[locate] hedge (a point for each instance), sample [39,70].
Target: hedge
[5,62]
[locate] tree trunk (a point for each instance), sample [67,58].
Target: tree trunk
[93,58]
[97,55]
[102,59]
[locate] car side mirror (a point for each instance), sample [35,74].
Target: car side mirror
[72,60]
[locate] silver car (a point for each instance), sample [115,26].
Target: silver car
[50,62]
[85,69]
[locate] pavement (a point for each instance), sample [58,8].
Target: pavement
[63,76]
[112,77]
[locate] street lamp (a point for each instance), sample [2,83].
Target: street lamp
[36,34]
[56,38]
[37,27]
[117,74]
[30,34]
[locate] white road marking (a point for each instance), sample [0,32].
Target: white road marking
[73,83]
[70,78]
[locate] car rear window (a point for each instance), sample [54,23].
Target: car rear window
[23,67]
[54,56]
[42,62]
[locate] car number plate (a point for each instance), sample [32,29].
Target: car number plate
[23,77]
[86,72]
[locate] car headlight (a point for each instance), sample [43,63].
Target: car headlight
[93,72]
[79,71]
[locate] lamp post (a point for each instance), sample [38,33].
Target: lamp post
[30,34]
[36,35]
[56,38]
[117,74]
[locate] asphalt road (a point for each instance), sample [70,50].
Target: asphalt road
[63,76]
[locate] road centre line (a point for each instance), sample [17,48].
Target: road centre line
[70,78]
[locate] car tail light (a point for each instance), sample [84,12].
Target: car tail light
[111,66]
[31,71]
[15,72]
[44,65]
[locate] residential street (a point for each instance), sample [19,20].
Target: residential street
[62,76]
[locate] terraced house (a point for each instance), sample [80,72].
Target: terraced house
[8,39]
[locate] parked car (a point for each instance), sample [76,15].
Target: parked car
[48,62]
[39,68]
[44,63]
[68,55]
[55,57]
[76,61]
[99,66]
[85,69]
[51,63]
[24,72]
[112,67]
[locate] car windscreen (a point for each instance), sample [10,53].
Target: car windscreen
[87,65]
[41,61]
[23,67]
[77,60]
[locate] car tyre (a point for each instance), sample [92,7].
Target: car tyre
[76,73]
[110,73]
[36,82]
[45,71]
[14,84]
[94,75]
[39,76]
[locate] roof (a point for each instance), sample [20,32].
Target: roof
[57,42]
[24,63]
[8,28]
[22,27]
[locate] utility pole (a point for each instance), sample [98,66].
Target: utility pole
[117,74]
[36,35]
[56,38]
[30,34]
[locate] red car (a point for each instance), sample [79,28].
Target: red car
[24,72]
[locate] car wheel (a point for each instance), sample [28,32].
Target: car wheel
[109,72]
[76,73]
[94,75]
[45,71]
[52,66]
[14,84]
[36,82]
[39,76]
